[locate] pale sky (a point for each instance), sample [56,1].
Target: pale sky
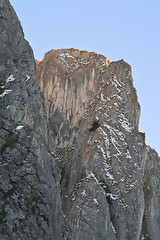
[118,29]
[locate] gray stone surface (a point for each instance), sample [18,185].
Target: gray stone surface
[30,205]
[73,164]
[151,188]
[93,112]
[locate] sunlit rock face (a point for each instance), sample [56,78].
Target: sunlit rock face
[93,114]
[69,80]
[73,164]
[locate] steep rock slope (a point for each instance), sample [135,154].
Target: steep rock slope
[151,187]
[108,185]
[69,80]
[30,205]
[93,113]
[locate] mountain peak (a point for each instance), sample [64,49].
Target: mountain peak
[73,162]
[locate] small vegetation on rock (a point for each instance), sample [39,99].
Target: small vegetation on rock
[94,126]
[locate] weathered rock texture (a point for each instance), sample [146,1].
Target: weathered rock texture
[69,80]
[73,164]
[106,169]
[30,205]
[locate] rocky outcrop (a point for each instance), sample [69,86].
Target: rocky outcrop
[30,205]
[69,80]
[102,175]
[151,188]
[93,113]
[73,164]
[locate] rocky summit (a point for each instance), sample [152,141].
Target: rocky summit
[73,164]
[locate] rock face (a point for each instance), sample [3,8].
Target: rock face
[30,205]
[93,113]
[151,188]
[69,80]
[73,164]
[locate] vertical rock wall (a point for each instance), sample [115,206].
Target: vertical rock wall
[93,112]
[73,165]
[30,205]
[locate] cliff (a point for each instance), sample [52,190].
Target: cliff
[93,114]
[29,186]
[73,162]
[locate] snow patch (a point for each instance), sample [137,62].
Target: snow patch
[109,175]
[97,118]
[19,127]
[5,93]
[125,123]
[92,175]
[118,97]
[85,63]
[69,56]
[106,141]
[74,65]
[116,104]
[117,83]
[128,155]
[116,145]
[84,193]
[27,78]
[62,55]
[103,62]
[103,152]
[112,196]
[95,201]
[113,228]
[10,79]
[102,97]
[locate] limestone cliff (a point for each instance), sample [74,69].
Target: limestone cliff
[73,164]
[30,205]
[69,80]
[93,114]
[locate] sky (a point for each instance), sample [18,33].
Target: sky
[118,29]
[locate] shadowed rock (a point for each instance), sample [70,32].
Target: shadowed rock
[30,205]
